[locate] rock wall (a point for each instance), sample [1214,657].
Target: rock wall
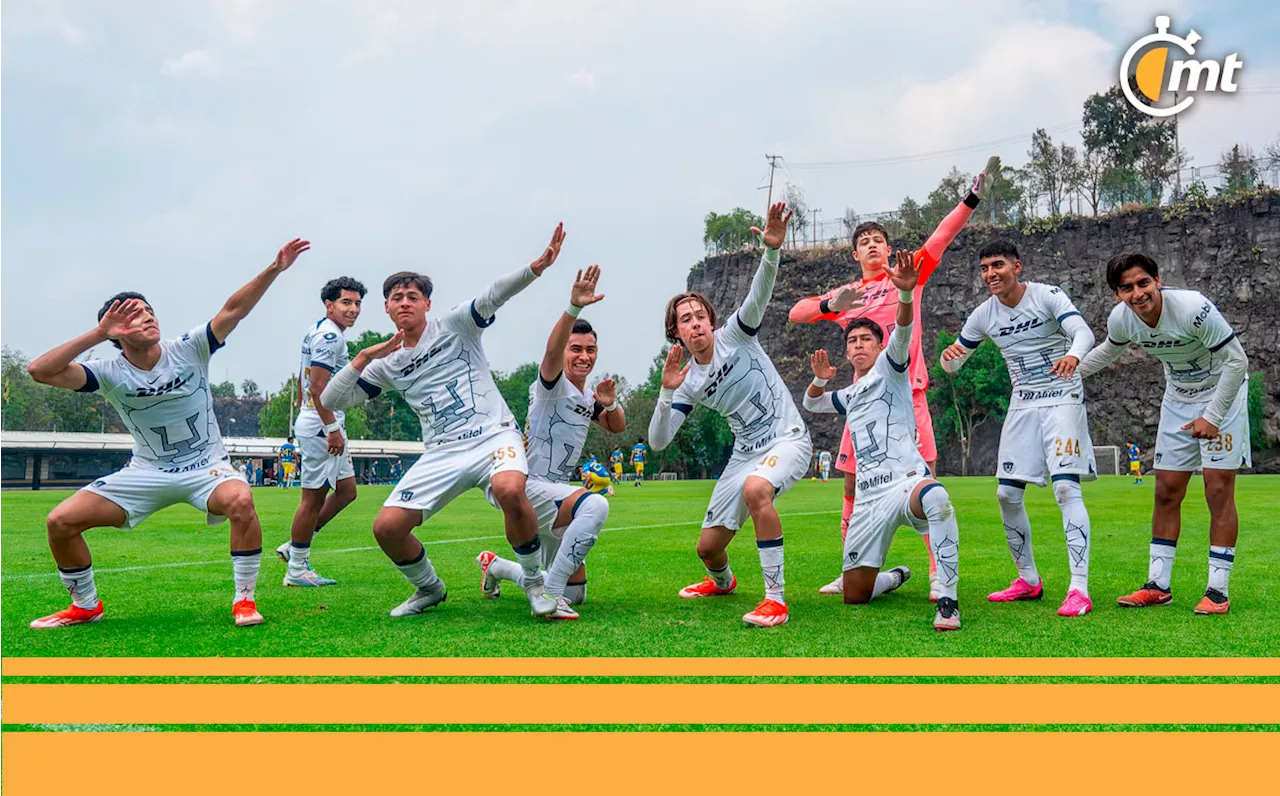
[1230,251]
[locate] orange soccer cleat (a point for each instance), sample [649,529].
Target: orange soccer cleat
[246,613]
[1213,602]
[1149,595]
[708,588]
[71,615]
[769,613]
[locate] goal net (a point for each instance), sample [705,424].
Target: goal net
[1108,459]
[667,476]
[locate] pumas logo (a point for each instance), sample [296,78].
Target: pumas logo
[1008,467]
[406,495]
[1186,76]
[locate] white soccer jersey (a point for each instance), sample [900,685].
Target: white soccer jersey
[446,379]
[881,420]
[1031,339]
[168,409]
[741,384]
[556,429]
[1190,331]
[824,459]
[323,346]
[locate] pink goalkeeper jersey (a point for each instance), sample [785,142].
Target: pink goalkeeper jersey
[880,299]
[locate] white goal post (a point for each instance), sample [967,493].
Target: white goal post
[667,477]
[1108,459]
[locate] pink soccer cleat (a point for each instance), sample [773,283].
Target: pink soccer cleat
[769,613]
[490,586]
[71,615]
[708,588]
[1076,604]
[1018,591]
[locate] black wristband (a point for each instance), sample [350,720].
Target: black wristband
[824,306]
[971,200]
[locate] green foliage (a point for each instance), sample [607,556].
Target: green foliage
[226,389]
[731,231]
[514,387]
[1257,414]
[979,392]
[30,406]
[1139,158]
[273,419]
[1239,171]
[249,389]
[388,416]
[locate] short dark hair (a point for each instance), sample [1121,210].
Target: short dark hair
[865,323]
[582,326]
[288,439]
[400,278]
[999,247]
[866,228]
[121,297]
[673,323]
[334,287]
[1123,261]
[640,440]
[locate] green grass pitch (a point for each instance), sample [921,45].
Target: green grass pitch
[167,584]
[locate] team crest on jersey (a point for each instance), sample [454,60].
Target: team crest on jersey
[1008,467]
[329,337]
[100,482]
[406,495]
[1158,457]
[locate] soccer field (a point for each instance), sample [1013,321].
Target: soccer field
[167,584]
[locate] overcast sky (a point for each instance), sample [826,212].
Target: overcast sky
[171,148]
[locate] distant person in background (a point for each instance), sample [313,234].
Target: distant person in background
[824,465]
[1135,462]
[287,454]
[615,460]
[244,471]
[638,452]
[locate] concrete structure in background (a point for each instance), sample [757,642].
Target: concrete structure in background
[45,459]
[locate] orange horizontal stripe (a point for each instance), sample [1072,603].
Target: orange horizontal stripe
[640,667]
[641,763]
[640,704]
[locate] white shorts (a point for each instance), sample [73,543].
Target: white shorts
[1178,450]
[876,518]
[142,492]
[782,465]
[546,498]
[443,473]
[319,468]
[1039,442]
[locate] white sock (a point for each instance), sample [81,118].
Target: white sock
[80,585]
[576,593]
[1075,523]
[419,572]
[1160,570]
[884,581]
[723,578]
[775,581]
[505,569]
[299,558]
[1017,529]
[944,539]
[589,517]
[1221,560]
[529,555]
[244,565]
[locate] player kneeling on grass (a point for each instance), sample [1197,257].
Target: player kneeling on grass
[730,373]
[1042,338]
[469,435]
[326,461]
[1204,417]
[161,390]
[561,410]
[894,486]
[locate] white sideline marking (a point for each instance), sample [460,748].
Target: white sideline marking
[177,564]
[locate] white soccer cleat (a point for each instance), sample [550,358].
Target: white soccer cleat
[282,552]
[904,575]
[834,587]
[540,603]
[421,600]
[947,615]
[308,577]
[490,585]
[563,610]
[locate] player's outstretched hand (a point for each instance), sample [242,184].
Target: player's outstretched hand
[672,374]
[982,183]
[583,292]
[288,253]
[1201,429]
[1065,368]
[607,392]
[550,253]
[821,364]
[904,274]
[385,348]
[775,226]
[117,320]
[846,298]
[954,351]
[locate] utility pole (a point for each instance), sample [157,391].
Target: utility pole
[813,231]
[1177,155]
[773,164]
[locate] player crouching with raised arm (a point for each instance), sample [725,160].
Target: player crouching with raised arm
[894,486]
[731,374]
[561,410]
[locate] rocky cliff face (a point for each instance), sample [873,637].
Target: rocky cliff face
[1230,252]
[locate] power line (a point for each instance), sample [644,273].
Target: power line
[923,156]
